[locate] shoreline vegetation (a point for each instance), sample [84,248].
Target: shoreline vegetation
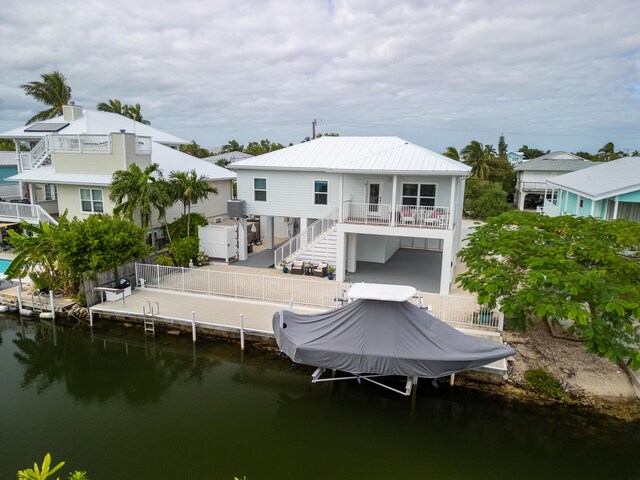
[590,385]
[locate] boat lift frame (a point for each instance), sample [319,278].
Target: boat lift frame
[411,380]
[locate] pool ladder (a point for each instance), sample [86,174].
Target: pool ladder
[149,312]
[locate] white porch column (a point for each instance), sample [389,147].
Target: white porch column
[268,231]
[32,198]
[615,209]
[593,208]
[445,269]
[520,200]
[242,239]
[452,202]
[340,255]
[341,198]
[352,252]
[578,205]
[394,202]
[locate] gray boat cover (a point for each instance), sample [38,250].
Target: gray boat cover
[387,338]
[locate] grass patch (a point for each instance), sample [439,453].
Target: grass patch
[541,381]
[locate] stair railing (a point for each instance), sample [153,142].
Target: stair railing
[305,237]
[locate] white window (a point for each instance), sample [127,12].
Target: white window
[91,200]
[320,192]
[50,192]
[423,194]
[260,189]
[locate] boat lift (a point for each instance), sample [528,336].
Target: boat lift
[411,381]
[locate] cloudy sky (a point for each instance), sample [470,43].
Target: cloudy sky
[549,74]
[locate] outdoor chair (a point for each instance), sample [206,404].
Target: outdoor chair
[407,216]
[432,218]
[297,267]
[320,270]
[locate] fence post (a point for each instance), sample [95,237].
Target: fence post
[158,277]
[183,289]
[209,281]
[193,326]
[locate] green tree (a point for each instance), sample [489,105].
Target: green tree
[452,152]
[98,243]
[7,145]
[195,150]
[136,190]
[112,106]
[635,153]
[178,228]
[232,146]
[484,199]
[37,255]
[52,91]
[134,112]
[262,147]
[189,188]
[587,156]
[581,269]
[478,157]
[130,111]
[184,250]
[531,153]
[608,153]
[502,147]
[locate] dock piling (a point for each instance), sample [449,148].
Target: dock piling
[193,326]
[53,309]
[242,332]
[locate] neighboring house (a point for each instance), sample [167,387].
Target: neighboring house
[532,175]
[230,157]
[606,190]
[9,166]
[72,158]
[361,202]
[515,157]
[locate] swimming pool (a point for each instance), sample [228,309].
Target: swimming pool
[4,263]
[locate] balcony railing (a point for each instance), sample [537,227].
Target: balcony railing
[533,186]
[81,143]
[404,215]
[143,145]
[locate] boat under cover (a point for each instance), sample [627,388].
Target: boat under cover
[383,338]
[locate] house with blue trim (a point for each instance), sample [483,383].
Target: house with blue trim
[606,190]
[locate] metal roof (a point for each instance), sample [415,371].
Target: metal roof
[231,157]
[356,155]
[602,180]
[169,159]
[93,122]
[554,162]
[47,174]
[9,158]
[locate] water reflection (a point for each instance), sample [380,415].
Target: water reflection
[99,371]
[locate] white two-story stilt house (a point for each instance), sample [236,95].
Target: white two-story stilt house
[376,205]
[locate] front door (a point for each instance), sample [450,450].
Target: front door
[373,195]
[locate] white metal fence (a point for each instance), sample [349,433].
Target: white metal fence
[143,145]
[305,237]
[453,309]
[82,143]
[265,288]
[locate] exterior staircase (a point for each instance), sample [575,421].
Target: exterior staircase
[322,249]
[315,244]
[41,153]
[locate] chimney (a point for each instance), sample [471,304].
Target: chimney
[71,111]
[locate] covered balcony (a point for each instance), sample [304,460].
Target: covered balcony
[402,216]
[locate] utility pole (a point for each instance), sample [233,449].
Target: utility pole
[314,124]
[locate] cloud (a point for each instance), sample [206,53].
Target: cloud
[558,75]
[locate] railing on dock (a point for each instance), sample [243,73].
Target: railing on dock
[458,310]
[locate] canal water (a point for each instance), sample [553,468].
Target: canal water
[120,407]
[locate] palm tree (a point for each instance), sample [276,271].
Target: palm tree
[635,153]
[189,188]
[232,146]
[52,91]
[130,111]
[452,152]
[114,106]
[139,190]
[478,157]
[134,113]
